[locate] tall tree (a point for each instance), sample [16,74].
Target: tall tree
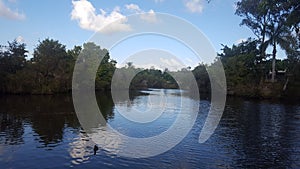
[12,60]
[48,59]
[278,35]
[270,19]
[241,64]
[256,16]
[87,61]
[13,57]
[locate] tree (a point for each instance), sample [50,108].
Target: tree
[202,78]
[241,64]
[74,53]
[12,60]
[49,61]
[271,19]
[129,65]
[256,16]
[279,35]
[88,62]
[13,57]
[105,72]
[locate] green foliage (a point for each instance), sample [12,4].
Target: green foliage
[50,63]
[88,60]
[153,78]
[242,64]
[12,60]
[51,68]
[273,22]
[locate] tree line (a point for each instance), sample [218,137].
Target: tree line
[50,70]
[250,70]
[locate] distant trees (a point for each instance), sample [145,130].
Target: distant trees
[154,78]
[142,78]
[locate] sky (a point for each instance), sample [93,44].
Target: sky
[75,22]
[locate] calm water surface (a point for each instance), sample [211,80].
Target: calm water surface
[44,132]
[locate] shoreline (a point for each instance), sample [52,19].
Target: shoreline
[246,94]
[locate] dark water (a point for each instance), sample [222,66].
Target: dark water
[44,132]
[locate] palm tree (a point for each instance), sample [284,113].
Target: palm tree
[278,35]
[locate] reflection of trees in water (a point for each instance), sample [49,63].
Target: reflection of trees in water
[105,104]
[49,128]
[53,115]
[48,115]
[11,129]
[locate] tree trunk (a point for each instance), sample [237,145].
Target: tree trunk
[286,83]
[262,52]
[273,63]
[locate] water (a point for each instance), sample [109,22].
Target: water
[44,132]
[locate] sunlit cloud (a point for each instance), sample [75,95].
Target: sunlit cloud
[153,58]
[87,17]
[189,60]
[7,13]
[20,39]
[171,63]
[133,7]
[240,40]
[194,6]
[149,16]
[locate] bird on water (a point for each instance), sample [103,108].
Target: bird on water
[95,149]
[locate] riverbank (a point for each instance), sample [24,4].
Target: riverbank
[266,90]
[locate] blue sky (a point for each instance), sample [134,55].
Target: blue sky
[74,22]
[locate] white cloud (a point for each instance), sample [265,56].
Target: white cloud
[189,60]
[133,7]
[87,17]
[149,16]
[240,41]
[6,12]
[194,6]
[171,64]
[20,39]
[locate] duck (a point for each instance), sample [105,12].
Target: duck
[95,149]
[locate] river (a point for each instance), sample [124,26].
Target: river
[44,132]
